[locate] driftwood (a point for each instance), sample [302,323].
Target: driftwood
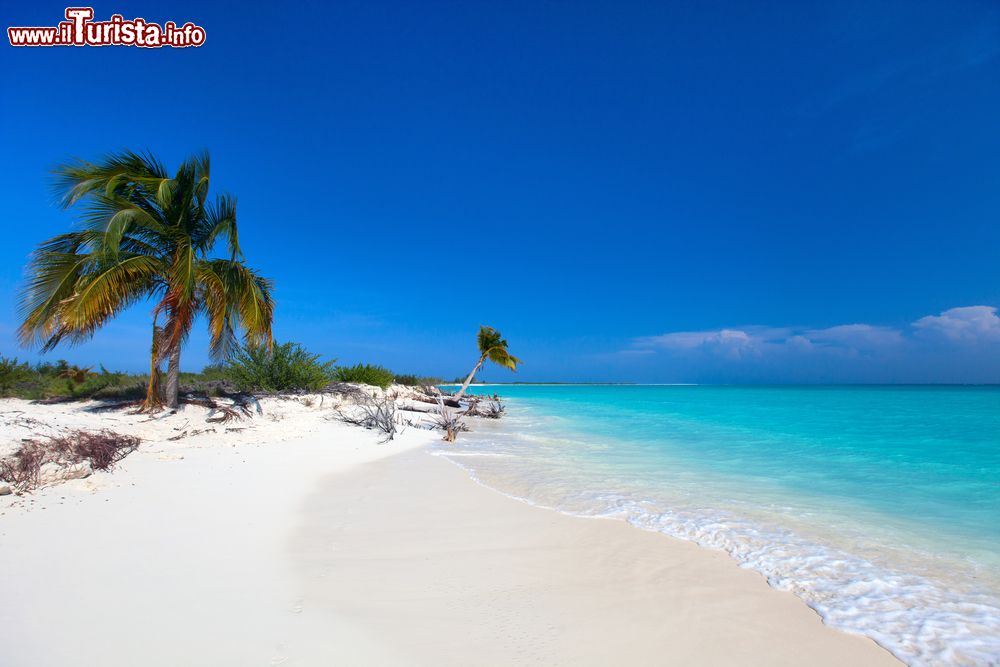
[449,422]
[420,409]
[450,402]
[197,431]
[493,409]
[240,409]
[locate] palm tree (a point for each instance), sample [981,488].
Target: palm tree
[144,235]
[492,346]
[76,374]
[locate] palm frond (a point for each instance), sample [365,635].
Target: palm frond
[52,279]
[501,357]
[165,192]
[488,338]
[494,347]
[219,310]
[109,289]
[112,174]
[248,299]
[220,222]
[182,275]
[202,176]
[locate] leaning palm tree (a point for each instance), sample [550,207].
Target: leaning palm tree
[144,234]
[492,346]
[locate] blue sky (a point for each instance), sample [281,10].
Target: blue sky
[703,192]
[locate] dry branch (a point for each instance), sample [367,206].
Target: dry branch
[102,450]
[449,422]
[372,413]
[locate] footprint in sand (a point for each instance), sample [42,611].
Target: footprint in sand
[278,658]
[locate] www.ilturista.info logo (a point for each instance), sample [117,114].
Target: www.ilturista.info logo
[79,29]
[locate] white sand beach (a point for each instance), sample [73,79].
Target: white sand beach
[299,540]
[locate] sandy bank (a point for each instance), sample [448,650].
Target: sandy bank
[179,556]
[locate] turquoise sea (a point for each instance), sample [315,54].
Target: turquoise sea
[879,506]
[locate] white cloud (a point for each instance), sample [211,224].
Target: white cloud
[957,345]
[687,340]
[720,338]
[968,324]
[857,336]
[746,342]
[749,341]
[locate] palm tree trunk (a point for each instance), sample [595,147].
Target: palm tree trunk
[173,377]
[153,400]
[468,380]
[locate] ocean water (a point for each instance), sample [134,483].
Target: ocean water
[878,506]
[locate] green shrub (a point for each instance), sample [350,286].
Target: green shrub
[13,374]
[61,380]
[287,366]
[133,389]
[365,374]
[49,369]
[417,380]
[213,372]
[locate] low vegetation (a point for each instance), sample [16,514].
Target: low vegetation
[285,367]
[12,375]
[287,370]
[409,380]
[376,376]
[62,380]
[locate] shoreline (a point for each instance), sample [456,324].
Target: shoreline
[887,573]
[535,585]
[278,545]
